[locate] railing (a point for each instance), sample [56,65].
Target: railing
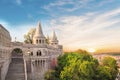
[17,57]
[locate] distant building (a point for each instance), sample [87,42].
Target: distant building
[35,58]
[101,56]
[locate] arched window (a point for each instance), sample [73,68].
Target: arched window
[39,41]
[36,41]
[31,54]
[39,53]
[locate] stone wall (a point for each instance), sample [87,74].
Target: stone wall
[4,69]
[37,58]
[5,55]
[5,38]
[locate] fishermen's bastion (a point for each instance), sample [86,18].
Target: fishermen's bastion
[34,60]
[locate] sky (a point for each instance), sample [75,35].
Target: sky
[79,24]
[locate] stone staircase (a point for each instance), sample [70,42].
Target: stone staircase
[16,70]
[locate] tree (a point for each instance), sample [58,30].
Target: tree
[112,65]
[49,75]
[29,36]
[81,51]
[70,66]
[110,62]
[82,66]
[103,73]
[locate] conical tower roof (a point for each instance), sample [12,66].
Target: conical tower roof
[38,32]
[54,40]
[54,37]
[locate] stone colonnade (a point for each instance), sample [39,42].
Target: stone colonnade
[0,69]
[38,67]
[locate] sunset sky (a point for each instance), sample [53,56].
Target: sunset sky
[84,24]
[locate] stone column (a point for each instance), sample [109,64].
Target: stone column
[42,64]
[0,70]
[25,69]
[32,69]
[45,64]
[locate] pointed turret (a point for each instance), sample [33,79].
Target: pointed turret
[38,38]
[54,40]
[38,31]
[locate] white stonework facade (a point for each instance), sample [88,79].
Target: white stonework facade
[38,57]
[5,40]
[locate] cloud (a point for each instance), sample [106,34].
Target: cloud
[67,5]
[30,17]
[103,2]
[74,5]
[19,2]
[90,30]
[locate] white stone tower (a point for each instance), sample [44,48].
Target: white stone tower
[54,40]
[39,38]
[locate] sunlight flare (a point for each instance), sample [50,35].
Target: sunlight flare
[91,50]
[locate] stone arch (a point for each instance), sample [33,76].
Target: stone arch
[17,52]
[14,47]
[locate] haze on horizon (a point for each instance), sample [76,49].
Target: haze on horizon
[80,24]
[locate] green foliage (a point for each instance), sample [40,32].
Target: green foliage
[80,65]
[81,51]
[17,50]
[104,73]
[29,36]
[112,64]
[49,75]
[47,41]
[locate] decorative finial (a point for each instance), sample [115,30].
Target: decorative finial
[15,39]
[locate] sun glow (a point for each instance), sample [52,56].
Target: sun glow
[92,50]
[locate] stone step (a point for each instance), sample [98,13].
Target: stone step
[16,70]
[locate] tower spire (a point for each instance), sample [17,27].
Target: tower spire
[54,38]
[38,31]
[39,38]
